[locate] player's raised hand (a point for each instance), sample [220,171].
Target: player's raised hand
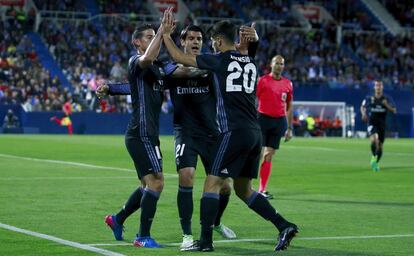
[248,34]
[102,90]
[168,22]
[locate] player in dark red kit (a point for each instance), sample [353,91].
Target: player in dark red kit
[377,106]
[275,95]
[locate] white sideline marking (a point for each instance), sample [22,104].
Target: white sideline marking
[341,150]
[274,239]
[77,164]
[61,241]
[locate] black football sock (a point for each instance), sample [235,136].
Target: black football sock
[148,208]
[208,212]
[379,154]
[373,149]
[223,202]
[261,206]
[185,208]
[133,204]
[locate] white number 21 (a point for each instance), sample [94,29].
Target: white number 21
[236,71]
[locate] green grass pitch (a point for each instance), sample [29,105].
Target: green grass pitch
[324,185]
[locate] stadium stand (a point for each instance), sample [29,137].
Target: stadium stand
[134,7]
[403,11]
[348,50]
[87,54]
[23,80]
[61,5]
[215,8]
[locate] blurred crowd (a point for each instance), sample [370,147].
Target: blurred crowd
[403,11]
[23,80]
[89,54]
[133,7]
[61,5]
[212,8]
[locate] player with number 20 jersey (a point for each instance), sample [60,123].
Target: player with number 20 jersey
[239,145]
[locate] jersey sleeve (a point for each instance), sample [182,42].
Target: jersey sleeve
[169,67]
[119,89]
[364,102]
[133,64]
[208,61]
[290,93]
[390,101]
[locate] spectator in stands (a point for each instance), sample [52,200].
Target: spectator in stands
[118,73]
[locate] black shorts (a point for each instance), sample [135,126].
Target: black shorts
[237,154]
[377,128]
[188,148]
[145,152]
[273,129]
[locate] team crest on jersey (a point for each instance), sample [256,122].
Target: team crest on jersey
[284,96]
[161,70]
[158,85]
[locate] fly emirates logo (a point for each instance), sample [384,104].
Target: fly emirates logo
[192,90]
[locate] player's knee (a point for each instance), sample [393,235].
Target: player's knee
[186,177]
[157,185]
[268,155]
[226,188]
[213,184]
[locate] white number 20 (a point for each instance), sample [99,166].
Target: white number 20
[236,71]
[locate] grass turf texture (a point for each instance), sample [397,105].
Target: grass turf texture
[325,186]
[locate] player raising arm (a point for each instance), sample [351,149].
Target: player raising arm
[237,151]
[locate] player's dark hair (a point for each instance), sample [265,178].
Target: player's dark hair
[224,28]
[194,28]
[141,28]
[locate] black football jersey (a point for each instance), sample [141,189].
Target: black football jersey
[376,111]
[194,105]
[147,86]
[234,80]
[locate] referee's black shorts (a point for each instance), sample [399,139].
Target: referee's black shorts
[144,151]
[273,129]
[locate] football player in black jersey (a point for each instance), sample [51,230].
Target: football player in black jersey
[195,131]
[237,151]
[374,110]
[146,85]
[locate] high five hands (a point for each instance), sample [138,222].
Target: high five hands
[246,34]
[168,23]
